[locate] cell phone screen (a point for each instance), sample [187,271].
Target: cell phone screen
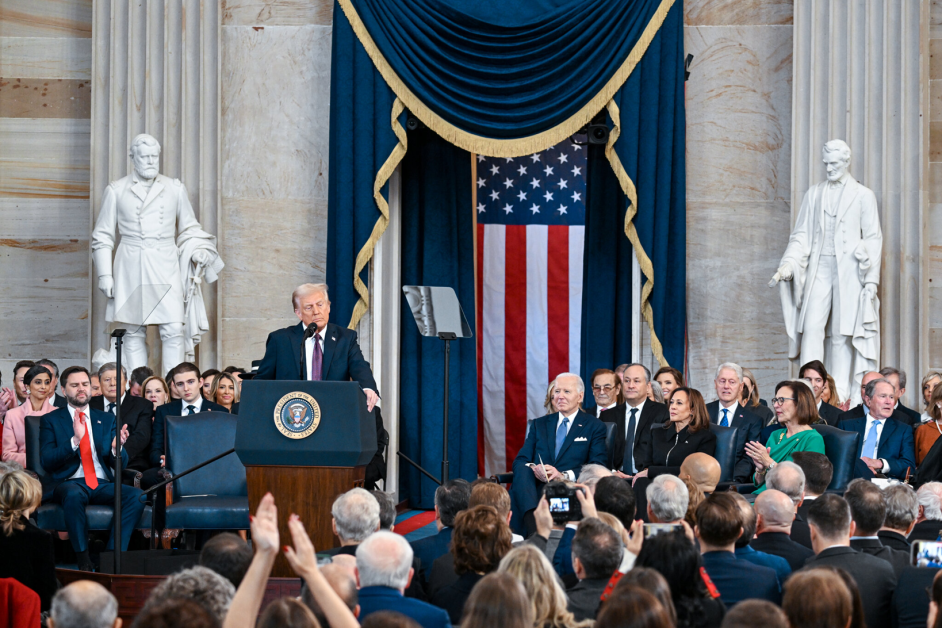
[651,529]
[927,554]
[559,504]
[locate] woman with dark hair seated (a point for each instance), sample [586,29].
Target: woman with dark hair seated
[38,380]
[796,410]
[225,392]
[678,560]
[633,607]
[480,539]
[686,432]
[26,552]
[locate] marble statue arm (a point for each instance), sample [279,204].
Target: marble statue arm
[795,258]
[103,239]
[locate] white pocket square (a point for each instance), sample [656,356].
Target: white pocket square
[581,438]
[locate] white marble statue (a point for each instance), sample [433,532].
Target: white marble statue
[162,257]
[829,274]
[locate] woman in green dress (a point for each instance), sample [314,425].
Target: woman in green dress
[796,410]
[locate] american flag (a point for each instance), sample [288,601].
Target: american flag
[531,229]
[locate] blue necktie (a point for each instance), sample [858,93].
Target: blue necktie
[725,421]
[870,443]
[628,464]
[561,433]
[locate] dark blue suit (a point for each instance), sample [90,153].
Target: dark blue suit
[739,580]
[174,408]
[430,548]
[584,444]
[896,446]
[374,599]
[61,461]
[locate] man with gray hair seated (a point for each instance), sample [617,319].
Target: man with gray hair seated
[384,570]
[136,412]
[204,586]
[355,517]
[84,604]
[667,499]
[591,474]
[775,514]
[789,478]
[727,411]
[902,510]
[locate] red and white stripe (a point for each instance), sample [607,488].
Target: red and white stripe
[529,315]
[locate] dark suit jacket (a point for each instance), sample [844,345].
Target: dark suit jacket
[874,577]
[651,414]
[928,530]
[28,556]
[801,533]
[373,599]
[55,446]
[897,559]
[173,408]
[138,414]
[342,357]
[910,602]
[913,418]
[896,444]
[830,414]
[59,401]
[763,412]
[427,550]
[780,544]
[894,540]
[750,427]
[739,580]
[452,598]
[585,597]
[857,412]
[584,444]
[668,448]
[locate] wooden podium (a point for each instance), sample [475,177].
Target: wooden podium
[305,469]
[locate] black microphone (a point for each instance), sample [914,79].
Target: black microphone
[310,331]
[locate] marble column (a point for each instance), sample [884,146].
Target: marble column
[155,69]
[861,75]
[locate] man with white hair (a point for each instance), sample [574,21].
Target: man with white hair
[929,523]
[384,571]
[591,474]
[902,511]
[556,447]
[727,411]
[775,513]
[355,517]
[84,604]
[668,498]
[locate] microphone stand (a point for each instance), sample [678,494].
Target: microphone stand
[118,336]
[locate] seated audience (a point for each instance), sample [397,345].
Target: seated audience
[751,401]
[615,497]
[156,391]
[667,499]
[831,528]
[563,442]
[727,411]
[861,410]
[606,389]
[898,379]
[633,422]
[929,522]
[702,470]
[816,473]
[138,376]
[591,474]
[38,381]
[387,509]
[719,524]
[818,598]
[676,558]
[228,555]
[815,373]
[928,386]
[498,600]
[547,598]
[237,372]
[26,552]
[857,618]
[450,499]
[77,450]
[174,612]
[633,607]
[748,553]
[902,510]
[84,604]
[136,413]
[868,511]
[775,513]
[355,517]
[929,431]
[669,378]
[343,581]
[384,570]
[481,539]
[654,583]
[224,391]
[205,587]
[795,411]
[20,387]
[886,444]
[208,376]
[687,431]
[596,555]
[751,613]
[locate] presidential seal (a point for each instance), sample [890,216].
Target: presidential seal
[297,415]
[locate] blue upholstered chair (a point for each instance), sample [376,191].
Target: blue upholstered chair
[725,450]
[216,496]
[840,446]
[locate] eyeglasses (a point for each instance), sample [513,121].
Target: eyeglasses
[606,388]
[777,401]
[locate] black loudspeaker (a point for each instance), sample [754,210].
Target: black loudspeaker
[597,133]
[413,123]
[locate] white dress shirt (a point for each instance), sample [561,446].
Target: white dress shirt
[99,470]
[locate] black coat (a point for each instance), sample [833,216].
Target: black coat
[780,544]
[651,413]
[928,530]
[857,412]
[453,597]
[914,418]
[894,540]
[585,597]
[830,414]
[801,532]
[138,414]
[669,448]
[875,580]
[897,559]
[910,602]
[28,556]
[750,427]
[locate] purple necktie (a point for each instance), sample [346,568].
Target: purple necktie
[317,359]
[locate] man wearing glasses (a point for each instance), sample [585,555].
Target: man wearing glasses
[606,389]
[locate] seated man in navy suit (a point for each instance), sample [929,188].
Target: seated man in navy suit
[726,411]
[331,353]
[77,450]
[556,448]
[885,445]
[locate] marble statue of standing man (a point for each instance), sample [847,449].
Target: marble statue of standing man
[161,259]
[829,274]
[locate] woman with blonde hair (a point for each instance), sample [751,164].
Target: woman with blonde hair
[225,392]
[26,552]
[547,598]
[155,390]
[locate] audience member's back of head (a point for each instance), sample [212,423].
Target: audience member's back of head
[389,619]
[450,499]
[654,583]
[752,613]
[591,474]
[384,560]
[356,515]
[719,520]
[287,613]
[830,515]
[228,555]
[616,497]
[598,548]
[633,607]
[498,599]
[788,478]
[387,509]
[174,613]
[747,520]
[490,494]
[19,492]
[480,540]
[204,586]
[344,584]
[667,498]
[676,558]
[817,598]
[902,507]
[84,604]
[703,470]
[533,570]
[818,471]
[867,506]
[929,496]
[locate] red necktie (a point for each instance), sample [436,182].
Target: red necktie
[85,449]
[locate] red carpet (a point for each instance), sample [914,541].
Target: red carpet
[415,522]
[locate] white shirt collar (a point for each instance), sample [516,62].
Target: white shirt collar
[72,411]
[639,408]
[732,408]
[571,417]
[599,410]
[198,403]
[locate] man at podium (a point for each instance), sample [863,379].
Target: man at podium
[330,353]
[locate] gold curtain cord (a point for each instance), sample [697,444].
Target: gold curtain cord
[507,148]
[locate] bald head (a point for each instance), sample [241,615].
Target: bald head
[703,470]
[84,604]
[775,512]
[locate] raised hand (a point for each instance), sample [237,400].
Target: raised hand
[78,428]
[302,557]
[265,526]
